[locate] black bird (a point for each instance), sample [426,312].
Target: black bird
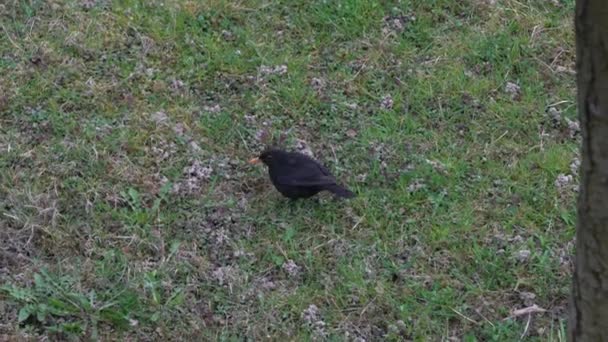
[296,175]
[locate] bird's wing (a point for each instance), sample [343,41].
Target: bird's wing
[311,167]
[306,181]
[310,173]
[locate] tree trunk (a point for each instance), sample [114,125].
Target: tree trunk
[589,304]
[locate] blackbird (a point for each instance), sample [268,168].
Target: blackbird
[296,175]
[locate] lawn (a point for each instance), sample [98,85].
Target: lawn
[129,212]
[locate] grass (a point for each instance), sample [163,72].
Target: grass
[128,210]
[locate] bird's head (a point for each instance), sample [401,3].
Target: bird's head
[268,156]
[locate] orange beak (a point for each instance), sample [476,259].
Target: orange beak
[254,161]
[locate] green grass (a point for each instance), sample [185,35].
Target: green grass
[129,211]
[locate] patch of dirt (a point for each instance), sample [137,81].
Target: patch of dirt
[313,320]
[513,90]
[31,221]
[303,147]
[272,70]
[395,24]
[483,69]
[195,176]
[318,84]
[161,150]
[292,269]
[560,127]
[386,102]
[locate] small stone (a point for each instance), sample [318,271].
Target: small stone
[212,109]
[516,239]
[416,185]
[302,147]
[555,115]
[276,70]
[387,102]
[90,83]
[199,171]
[392,329]
[513,89]
[194,146]
[574,128]
[176,84]
[292,269]
[523,255]
[268,284]
[351,133]
[179,129]
[261,135]
[527,298]
[396,23]
[160,117]
[564,70]
[562,181]
[266,70]
[242,203]
[311,314]
[88,4]
[437,165]
[361,177]
[575,165]
[249,118]
[227,35]
[317,84]
[223,274]
[352,106]
[280,70]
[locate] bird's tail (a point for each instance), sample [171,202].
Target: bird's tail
[341,191]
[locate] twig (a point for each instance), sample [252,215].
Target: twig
[465,317]
[32,232]
[559,103]
[10,39]
[323,244]
[527,326]
[500,137]
[367,306]
[12,216]
[561,52]
[358,222]
[243,140]
[484,317]
[525,311]
[334,153]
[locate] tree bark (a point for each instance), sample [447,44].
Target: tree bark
[589,303]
